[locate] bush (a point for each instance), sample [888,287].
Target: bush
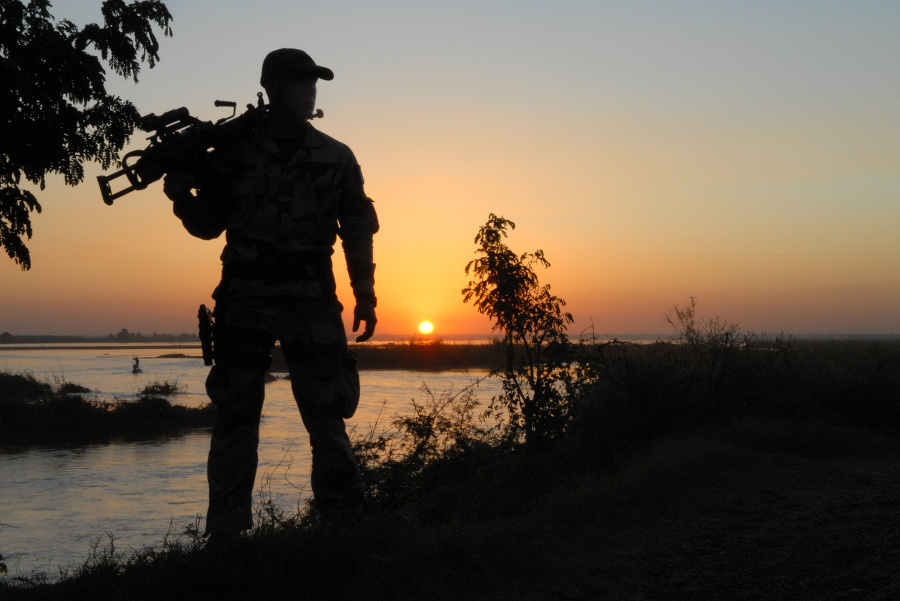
[34,413]
[441,435]
[16,387]
[166,388]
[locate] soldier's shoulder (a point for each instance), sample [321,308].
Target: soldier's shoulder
[328,143]
[250,145]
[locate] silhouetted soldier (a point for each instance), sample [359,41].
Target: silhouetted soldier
[287,192]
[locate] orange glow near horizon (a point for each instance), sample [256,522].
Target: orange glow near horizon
[761,179]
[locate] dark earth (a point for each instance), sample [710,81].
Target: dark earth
[795,529]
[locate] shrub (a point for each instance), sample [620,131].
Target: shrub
[14,387]
[441,433]
[532,324]
[34,413]
[166,388]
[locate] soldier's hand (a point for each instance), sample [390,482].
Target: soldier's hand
[364,311]
[177,186]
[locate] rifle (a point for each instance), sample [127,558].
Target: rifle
[180,142]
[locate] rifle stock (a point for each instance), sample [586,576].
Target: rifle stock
[180,142]
[129,171]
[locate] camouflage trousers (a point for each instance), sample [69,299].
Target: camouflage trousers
[325,385]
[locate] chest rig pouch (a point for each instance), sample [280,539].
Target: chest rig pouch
[307,194]
[285,202]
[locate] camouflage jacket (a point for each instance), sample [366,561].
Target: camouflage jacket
[282,205]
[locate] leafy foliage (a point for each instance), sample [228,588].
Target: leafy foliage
[532,322]
[54,109]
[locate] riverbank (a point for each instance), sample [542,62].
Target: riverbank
[36,413]
[765,509]
[710,470]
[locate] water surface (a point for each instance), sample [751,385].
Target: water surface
[58,503]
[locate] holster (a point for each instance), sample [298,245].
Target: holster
[207,331]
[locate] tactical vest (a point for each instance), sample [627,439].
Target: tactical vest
[284,202]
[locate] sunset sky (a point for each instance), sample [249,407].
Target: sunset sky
[745,153]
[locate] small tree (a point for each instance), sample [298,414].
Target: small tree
[532,323]
[55,113]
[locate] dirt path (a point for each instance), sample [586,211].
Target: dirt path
[816,530]
[828,533]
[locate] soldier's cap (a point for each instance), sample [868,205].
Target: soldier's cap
[293,60]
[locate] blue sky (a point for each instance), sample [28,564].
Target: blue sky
[746,153]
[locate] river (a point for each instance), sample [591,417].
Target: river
[57,504]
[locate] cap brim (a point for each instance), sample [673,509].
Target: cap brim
[320,72]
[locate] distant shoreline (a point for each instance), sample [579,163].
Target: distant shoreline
[403,356]
[10,342]
[99,346]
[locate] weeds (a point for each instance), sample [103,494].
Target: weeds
[448,464]
[268,513]
[443,432]
[18,387]
[594,405]
[70,388]
[164,389]
[36,413]
[444,487]
[709,332]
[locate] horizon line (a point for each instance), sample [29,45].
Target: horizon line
[470,336]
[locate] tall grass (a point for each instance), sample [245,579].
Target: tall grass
[443,434]
[440,481]
[164,389]
[33,412]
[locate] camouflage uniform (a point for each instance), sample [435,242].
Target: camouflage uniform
[282,204]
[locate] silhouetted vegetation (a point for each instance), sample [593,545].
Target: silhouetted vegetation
[429,356]
[55,111]
[454,508]
[651,439]
[16,387]
[123,336]
[532,324]
[36,413]
[165,389]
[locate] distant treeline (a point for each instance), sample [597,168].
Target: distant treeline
[434,356]
[123,336]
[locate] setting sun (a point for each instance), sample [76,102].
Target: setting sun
[426,327]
